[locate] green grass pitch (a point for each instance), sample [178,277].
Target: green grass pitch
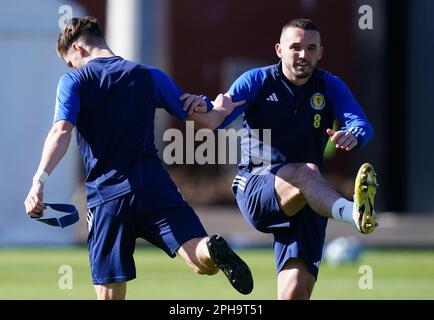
[34,274]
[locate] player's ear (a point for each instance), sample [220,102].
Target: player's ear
[321,51]
[278,49]
[75,47]
[78,48]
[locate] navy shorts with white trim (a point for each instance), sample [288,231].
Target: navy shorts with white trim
[300,236]
[158,214]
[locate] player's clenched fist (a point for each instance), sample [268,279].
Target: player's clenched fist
[193,103]
[343,139]
[33,203]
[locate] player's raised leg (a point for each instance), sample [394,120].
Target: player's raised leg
[297,184]
[301,183]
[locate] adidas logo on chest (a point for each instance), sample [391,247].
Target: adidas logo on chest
[272,97]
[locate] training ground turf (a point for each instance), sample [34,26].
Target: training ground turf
[34,274]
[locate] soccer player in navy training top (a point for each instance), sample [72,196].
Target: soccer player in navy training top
[285,193]
[112,102]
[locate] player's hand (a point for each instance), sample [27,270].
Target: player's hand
[34,201]
[223,103]
[343,139]
[193,103]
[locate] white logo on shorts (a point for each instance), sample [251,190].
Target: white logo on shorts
[89,219]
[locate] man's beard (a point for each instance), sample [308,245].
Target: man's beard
[301,74]
[304,74]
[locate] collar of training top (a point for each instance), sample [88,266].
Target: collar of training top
[71,217]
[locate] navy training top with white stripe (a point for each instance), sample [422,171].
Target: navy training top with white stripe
[297,116]
[112,102]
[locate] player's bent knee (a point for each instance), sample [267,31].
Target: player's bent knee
[305,173]
[298,173]
[312,166]
[307,169]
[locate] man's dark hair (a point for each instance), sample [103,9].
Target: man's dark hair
[86,27]
[305,24]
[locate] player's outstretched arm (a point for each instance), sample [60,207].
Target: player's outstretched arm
[197,107]
[55,147]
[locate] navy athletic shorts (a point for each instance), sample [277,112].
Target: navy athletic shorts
[158,214]
[300,236]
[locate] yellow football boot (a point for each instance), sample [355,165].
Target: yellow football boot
[364,195]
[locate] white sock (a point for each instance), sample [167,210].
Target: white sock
[342,210]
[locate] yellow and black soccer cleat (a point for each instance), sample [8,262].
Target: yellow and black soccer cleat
[364,195]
